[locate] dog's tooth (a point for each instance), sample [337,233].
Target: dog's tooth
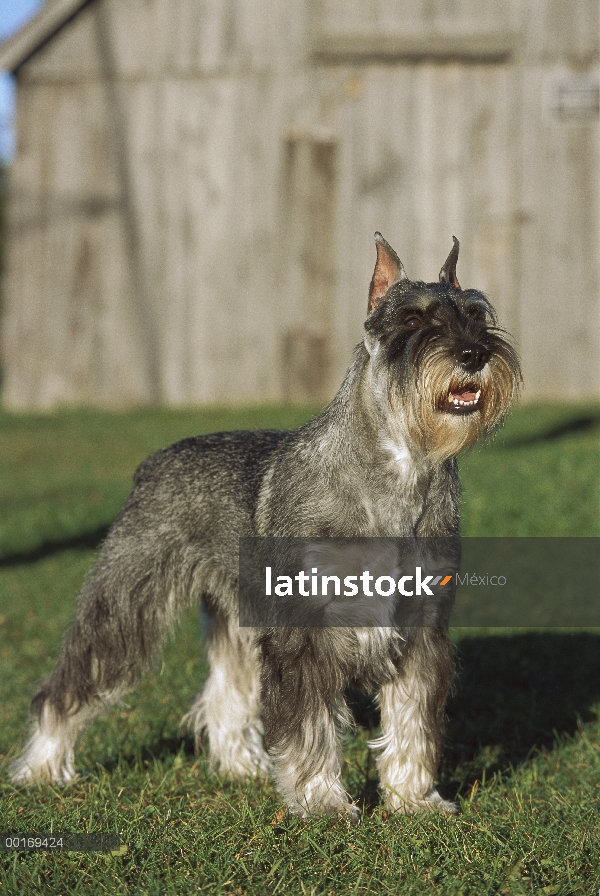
[477,395]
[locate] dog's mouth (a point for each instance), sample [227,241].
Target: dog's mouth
[462,399]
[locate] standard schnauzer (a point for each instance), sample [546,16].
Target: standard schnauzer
[433,373]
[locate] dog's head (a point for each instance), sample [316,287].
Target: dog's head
[439,359]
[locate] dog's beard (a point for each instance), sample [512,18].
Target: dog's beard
[445,408]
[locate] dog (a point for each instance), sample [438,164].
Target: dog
[433,374]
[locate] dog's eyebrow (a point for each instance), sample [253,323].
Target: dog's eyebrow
[473,296]
[478,300]
[418,299]
[412,308]
[477,304]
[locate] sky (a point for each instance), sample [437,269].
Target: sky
[13,15]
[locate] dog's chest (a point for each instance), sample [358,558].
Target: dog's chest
[396,496]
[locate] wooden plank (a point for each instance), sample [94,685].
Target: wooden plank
[22,351]
[490,263]
[560,288]
[188,28]
[120,129]
[257,290]
[170,282]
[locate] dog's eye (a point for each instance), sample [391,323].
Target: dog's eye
[413,323]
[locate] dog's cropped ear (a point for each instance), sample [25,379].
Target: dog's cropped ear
[448,272]
[388,270]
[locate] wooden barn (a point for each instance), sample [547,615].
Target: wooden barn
[197,183]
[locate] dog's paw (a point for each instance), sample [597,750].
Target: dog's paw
[244,757]
[27,771]
[346,811]
[431,802]
[322,795]
[46,757]
[235,751]
[21,774]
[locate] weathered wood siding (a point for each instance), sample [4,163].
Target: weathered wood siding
[196,187]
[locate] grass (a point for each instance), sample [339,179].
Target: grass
[522,751]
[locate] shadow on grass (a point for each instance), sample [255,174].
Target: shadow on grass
[90,539]
[513,696]
[158,751]
[578,425]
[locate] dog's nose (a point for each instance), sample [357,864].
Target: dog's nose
[473,356]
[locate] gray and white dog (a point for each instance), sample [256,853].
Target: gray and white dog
[433,373]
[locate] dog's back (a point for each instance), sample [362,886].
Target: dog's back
[207,486]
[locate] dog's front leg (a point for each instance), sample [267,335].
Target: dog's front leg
[412,706]
[303,713]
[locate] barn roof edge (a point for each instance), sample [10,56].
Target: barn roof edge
[51,17]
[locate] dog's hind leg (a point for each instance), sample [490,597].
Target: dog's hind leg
[412,706]
[227,710]
[122,617]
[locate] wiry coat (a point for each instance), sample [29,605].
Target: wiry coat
[371,464]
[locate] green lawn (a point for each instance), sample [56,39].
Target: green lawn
[522,749]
